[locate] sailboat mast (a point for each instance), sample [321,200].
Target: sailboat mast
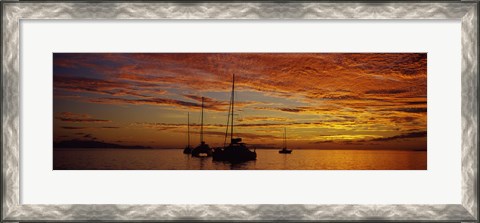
[233,103]
[188,128]
[285,138]
[201,125]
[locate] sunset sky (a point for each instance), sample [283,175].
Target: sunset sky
[324,100]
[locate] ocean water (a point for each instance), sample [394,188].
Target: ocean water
[174,159]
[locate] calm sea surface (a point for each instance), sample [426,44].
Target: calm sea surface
[173,159]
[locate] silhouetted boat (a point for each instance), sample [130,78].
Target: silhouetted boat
[236,151]
[188,148]
[284,150]
[203,149]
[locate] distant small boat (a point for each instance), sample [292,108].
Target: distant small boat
[236,151]
[202,150]
[188,149]
[284,150]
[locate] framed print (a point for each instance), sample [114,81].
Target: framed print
[309,111]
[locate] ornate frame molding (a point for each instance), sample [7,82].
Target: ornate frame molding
[14,12]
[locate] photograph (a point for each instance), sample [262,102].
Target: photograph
[239,111]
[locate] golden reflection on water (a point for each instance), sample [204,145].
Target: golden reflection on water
[172,159]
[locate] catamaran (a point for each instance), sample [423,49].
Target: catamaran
[284,150]
[203,149]
[188,148]
[236,151]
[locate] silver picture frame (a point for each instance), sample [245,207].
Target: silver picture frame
[13,12]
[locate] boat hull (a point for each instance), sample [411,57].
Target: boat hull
[203,150]
[234,154]
[187,150]
[285,152]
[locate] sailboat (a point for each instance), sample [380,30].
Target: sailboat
[284,150]
[203,149]
[236,151]
[188,148]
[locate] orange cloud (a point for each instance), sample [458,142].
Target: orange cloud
[356,95]
[74,117]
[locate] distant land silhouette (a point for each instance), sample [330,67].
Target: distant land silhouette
[75,143]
